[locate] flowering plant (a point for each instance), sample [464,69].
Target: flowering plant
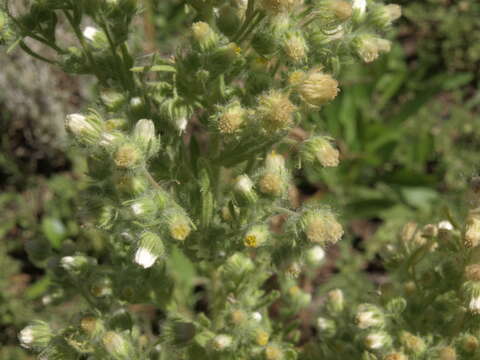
[192,157]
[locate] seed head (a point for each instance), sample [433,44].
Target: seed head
[275,111]
[368,316]
[318,88]
[295,48]
[341,9]
[231,119]
[412,343]
[320,226]
[272,184]
[396,356]
[447,353]
[369,47]
[319,149]
[204,35]
[472,231]
[275,7]
[273,352]
[127,156]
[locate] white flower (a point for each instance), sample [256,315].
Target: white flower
[145,258]
[257,316]
[221,342]
[474,305]
[26,337]
[181,124]
[315,255]
[375,341]
[137,209]
[243,184]
[90,32]
[322,323]
[135,102]
[445,225]
[360,5]
[78,124]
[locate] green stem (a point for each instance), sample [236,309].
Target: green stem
[34,54]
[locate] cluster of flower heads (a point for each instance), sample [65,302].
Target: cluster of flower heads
[428,309]
[185,154]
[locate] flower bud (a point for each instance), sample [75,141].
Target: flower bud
[150,248]
[469,343]
[445,229]
[275,7]
[256,236]
[368,316]
[113,100]
[341,9]
[395,356]
[176,113]
[472,231]
[318,88]
[447,353]
[335,301]
[272,184]
[384,15]
[319,149]
[36,336]
[295,47]
[238,317]
[96,37]
[204,36]
[92,326]
[76,265]
[412,344]
[144,136]
[471,294]
[244,189]
[231,118]
[369,47]
[326,327]
[315,255]
[129,184]
[223,57]
[237,266]
[229,20]
[117,346]
[128,156]
[143,207]
[273,352]
[472,272]
[359,9]
[262,337]
[275,111]
[101,287]
[320,226]
[377,340]
[275,162]
[178,332]
[85,129]
[179,225]
[221,342]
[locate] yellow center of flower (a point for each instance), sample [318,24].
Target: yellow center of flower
[251,241]
[262,338]
[179,231]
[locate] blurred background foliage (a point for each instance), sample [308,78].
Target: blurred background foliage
[407,127]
